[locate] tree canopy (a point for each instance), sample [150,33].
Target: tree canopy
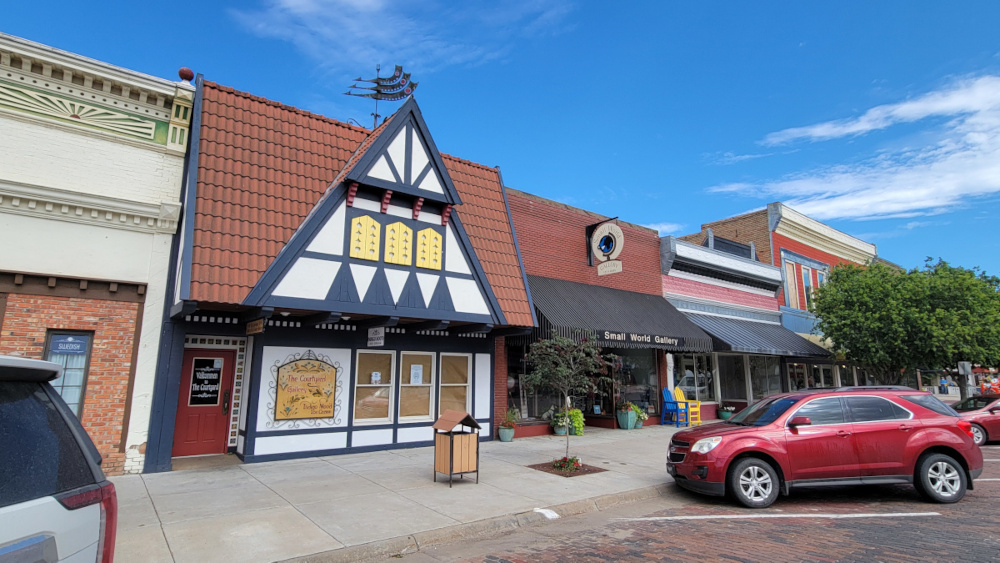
[889,320]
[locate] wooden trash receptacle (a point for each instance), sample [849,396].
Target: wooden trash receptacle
[456,452]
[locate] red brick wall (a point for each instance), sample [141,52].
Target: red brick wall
[553,242]
[499,382]
[747,228]
[25,321]
[690,288]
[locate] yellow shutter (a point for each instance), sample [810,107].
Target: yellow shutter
[429,249]
[365,235]
[398,244]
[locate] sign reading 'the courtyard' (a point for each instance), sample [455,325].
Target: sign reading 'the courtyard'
[306,389]
[206,378]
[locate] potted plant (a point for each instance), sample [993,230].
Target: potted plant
[506,430]
[726,411]
[576,422]
[640,415]
[559,422]
[626,416]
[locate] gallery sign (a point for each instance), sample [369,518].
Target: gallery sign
[611,337]
[606,243]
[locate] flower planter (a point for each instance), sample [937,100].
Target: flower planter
[638,423]
[560,430]
[626,420]
[506,434]
[724,415]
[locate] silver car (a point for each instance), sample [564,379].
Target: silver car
[55,503]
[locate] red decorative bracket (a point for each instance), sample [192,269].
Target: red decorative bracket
[416,207]
[352,191]
[385,200]
[446,214]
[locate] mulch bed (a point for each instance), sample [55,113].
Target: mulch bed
[583,470]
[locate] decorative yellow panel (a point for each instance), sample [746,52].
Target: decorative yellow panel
[398,244]
[365,235]
[429,249]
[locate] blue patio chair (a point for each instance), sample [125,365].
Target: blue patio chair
[674,411]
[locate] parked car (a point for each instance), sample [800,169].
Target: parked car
[823,437]
[983,411]
[55,503]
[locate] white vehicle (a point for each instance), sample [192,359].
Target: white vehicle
[55,503]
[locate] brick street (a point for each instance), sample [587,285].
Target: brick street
[899,529]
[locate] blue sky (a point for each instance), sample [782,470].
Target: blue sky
[881,119]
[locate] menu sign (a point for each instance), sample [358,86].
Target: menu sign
[306,389]
[206,380]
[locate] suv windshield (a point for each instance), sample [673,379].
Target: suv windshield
[764,412]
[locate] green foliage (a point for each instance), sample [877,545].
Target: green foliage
[576,421]
[640,413]
[510,418]
[558,419]
[890,321]
[567,366]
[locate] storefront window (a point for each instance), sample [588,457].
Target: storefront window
[416,384]
[455,371]
[373,386]
[732,377]
[796,377]
[71,351]
[695,376]
[636,379]
[821,376]
[765,376]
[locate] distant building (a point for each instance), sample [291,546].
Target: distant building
[91,161]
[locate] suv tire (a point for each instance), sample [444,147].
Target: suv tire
[940,478]
[979,434]
[754,483]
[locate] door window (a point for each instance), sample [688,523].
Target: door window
[71,350]
[827,410]
[868,409]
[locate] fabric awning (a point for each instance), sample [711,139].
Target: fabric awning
[753,337]
[617,319]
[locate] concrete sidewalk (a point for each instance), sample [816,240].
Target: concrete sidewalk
[351,507]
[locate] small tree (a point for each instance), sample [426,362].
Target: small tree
[566,366]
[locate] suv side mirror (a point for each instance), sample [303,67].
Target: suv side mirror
[994,410]
[799,421]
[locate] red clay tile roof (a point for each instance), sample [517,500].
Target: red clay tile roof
[263,166]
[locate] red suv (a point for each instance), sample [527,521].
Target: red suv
[816,438]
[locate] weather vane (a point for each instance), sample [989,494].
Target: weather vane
[392,88]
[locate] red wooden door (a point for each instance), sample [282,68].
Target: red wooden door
[202,423]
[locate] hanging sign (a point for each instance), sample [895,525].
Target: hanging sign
[606,243]
[376,337]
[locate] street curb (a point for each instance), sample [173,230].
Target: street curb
[480,529]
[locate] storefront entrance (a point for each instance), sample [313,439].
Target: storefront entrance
[203,404]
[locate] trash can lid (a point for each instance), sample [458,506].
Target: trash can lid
[450,419]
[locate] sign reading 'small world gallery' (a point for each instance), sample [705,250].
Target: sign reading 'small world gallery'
[612,337]
[306,389]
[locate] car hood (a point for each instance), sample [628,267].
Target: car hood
[692,435]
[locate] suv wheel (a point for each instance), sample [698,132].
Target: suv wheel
[978,434]
[754,483]
[941,478]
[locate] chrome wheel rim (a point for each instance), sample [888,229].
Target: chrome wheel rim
[944,479]
[755,483]
[977,435]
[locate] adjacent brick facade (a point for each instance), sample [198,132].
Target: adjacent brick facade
[746,228]
[553,242]
[26,318]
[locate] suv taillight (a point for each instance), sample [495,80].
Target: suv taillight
[966,427]
[105,495]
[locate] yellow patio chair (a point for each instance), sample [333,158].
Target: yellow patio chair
[693,407]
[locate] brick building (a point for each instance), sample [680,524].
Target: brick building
[587,272]
[805,250]
[91,160]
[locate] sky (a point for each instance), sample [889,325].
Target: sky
[881,119]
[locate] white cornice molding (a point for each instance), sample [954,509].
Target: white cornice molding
[64,60]
[716,260]
[820,236]
[73,207]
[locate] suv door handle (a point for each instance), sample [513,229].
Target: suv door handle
[843,433]
[905,427]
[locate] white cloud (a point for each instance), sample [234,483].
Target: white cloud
[353,35]
[947,166]
[665,228]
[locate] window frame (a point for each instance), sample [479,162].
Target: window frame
[849,409]
[391,413]
[432,384]
[807,287]
[58,387]
[791,285]
[468,384]
[843,411]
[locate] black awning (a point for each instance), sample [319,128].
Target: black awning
[753,337]
[617,319]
